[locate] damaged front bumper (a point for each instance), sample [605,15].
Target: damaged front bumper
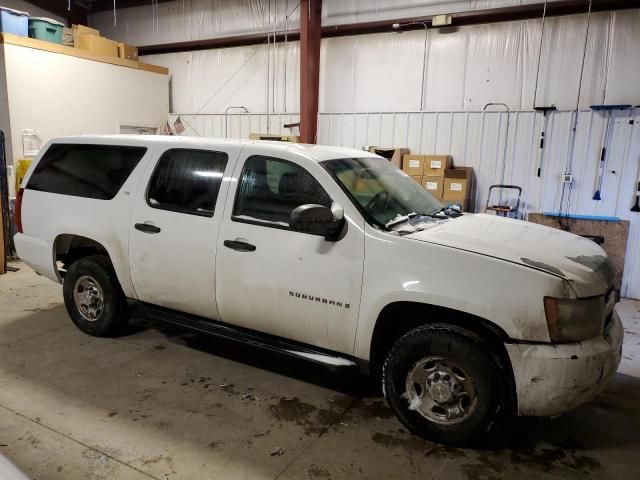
[554,378]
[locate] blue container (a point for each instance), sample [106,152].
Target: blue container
[14,21]
[45,29]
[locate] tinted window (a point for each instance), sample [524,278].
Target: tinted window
[187,181]
[92,171]
[270,189]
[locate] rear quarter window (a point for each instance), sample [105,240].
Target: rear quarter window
[81,170]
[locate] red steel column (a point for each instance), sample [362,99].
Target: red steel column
[310,33]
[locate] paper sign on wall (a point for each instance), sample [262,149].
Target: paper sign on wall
[436,163]
[31,143]
[455,187]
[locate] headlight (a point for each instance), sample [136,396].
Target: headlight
[574,320]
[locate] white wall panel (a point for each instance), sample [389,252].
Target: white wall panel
[388,70]
[209,81]
[446,69]
[495,65]
[466,68]
[338,83]
[624,60]
[561,61]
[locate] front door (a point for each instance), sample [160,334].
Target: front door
[174,229]
[275,280]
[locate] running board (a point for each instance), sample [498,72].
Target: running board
[242,335]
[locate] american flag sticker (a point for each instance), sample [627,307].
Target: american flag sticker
[178,126]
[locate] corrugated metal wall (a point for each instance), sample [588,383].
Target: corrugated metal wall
[477,139]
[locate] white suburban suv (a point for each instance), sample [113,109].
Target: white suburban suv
[329,254]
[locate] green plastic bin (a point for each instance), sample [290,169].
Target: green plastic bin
[45,29]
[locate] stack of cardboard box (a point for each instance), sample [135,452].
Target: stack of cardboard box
[89,39]
[437,174]
[428,171]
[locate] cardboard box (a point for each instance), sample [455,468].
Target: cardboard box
[417,178]
[435,165]
[127,51]
[413,164]
[458,183]
[84,30]
[67,37]
[394,155]
[98,45]
[275,138]
[433,185]
[78,31]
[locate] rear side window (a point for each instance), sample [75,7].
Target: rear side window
[80,170]
[187,181]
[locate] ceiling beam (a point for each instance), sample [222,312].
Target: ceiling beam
[492,15]
[60,8]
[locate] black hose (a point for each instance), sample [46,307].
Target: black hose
[7,241]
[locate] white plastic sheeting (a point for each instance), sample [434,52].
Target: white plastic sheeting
[183,20]
[465,69]
[477,139]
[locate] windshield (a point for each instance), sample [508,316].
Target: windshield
[381,190]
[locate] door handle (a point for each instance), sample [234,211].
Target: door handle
[147,228]
[239,246]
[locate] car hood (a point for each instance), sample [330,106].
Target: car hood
[576,259]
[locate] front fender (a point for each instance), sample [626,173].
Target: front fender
[506,294]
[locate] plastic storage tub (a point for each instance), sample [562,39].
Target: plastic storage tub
[14,21]
[45,29]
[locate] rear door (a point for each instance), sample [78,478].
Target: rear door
[174,229]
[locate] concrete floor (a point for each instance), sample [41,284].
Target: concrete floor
[167,405]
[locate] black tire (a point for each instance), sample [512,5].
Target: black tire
[481,366]
[112,318]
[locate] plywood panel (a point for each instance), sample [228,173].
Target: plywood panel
[615,235]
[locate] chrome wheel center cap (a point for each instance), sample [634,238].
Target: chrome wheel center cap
[440,393]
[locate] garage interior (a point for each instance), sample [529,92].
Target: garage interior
[538,95]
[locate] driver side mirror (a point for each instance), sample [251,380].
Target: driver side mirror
[319,220]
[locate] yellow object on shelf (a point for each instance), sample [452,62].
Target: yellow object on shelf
[21,170]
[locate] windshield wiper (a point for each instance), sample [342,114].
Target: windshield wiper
[447,212]
[401,219]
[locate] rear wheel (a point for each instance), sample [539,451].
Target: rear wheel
[445,384]
[93,297]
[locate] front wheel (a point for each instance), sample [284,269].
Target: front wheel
[93,297]
[445,384]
